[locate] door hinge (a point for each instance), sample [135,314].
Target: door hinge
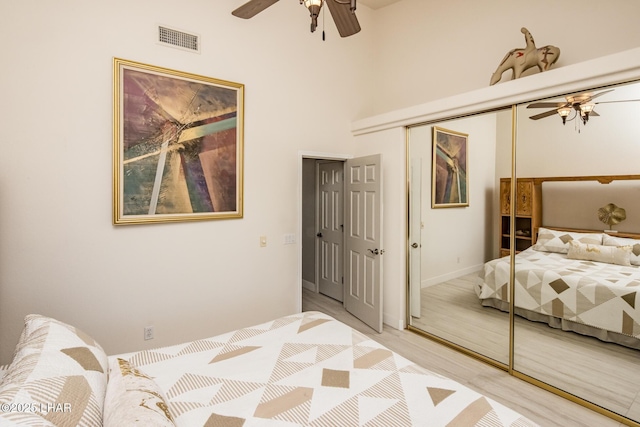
[343,280]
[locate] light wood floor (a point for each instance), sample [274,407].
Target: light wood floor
[535,403]
[603,373]
[451,310]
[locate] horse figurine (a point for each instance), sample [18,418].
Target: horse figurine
[520,60]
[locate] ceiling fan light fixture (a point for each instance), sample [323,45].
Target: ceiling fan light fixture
[585,109]
[314,7]
[579,105]
[564,113]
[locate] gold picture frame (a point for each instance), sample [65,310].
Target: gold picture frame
[178,141]
[450,177]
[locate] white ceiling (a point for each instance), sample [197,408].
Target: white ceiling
[377,4]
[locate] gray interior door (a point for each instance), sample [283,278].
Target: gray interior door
[363,239]
[330,228]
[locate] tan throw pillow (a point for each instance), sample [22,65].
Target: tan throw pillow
[558,241]
[133,398]
[610,254]
[634,258]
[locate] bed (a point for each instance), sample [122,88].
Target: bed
[586,282]
[303,369]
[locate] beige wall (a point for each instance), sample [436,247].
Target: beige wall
[431,49]
[59,253]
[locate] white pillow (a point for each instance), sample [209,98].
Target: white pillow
[610,254]
[634,258]
[58,372]
[558,241]
[133,398]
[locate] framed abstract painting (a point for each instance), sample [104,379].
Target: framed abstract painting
[178,145]
[450,175]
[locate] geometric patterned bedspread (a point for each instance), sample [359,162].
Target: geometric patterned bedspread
[597,294]
[309,369]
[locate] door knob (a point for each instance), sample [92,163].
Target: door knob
[414,245]
[319,234]
[374,251]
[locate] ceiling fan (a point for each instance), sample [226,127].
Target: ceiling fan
[580,103]
[342,11]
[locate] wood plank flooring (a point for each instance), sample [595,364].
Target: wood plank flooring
[451,310]
[542,407]
[603,373]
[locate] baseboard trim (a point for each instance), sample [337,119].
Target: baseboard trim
[393,322]
[450,276]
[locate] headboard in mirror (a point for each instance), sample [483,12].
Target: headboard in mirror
[574,202]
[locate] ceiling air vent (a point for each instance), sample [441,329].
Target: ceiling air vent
[175,38]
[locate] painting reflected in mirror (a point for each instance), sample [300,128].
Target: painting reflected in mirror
[449,169]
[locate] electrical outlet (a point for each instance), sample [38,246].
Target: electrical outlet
[289,239]
[148,333]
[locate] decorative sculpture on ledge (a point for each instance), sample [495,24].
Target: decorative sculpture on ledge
[520,60]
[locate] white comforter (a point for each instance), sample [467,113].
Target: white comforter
[309,369]
[597,294]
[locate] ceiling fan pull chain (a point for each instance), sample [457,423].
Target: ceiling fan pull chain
[323,24]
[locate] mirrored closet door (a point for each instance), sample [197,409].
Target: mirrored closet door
[562,240]
[577,293]
[455,223]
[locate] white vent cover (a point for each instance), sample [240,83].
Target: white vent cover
[175,38]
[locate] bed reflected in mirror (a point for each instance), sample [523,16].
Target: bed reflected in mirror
[577,287]
[448,246]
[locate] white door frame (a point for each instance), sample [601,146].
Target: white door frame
[316,156]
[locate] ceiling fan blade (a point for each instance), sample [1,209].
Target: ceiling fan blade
[547,105]
[590,98]
[593,114]
[252,8]
[345,20]
[543,115]
[622,100]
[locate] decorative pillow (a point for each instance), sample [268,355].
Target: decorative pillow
[133,398]
[609,254]
[634,258]
[558,241]
[58,377]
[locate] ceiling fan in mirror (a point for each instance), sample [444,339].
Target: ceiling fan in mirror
[342,11]
[578,105]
